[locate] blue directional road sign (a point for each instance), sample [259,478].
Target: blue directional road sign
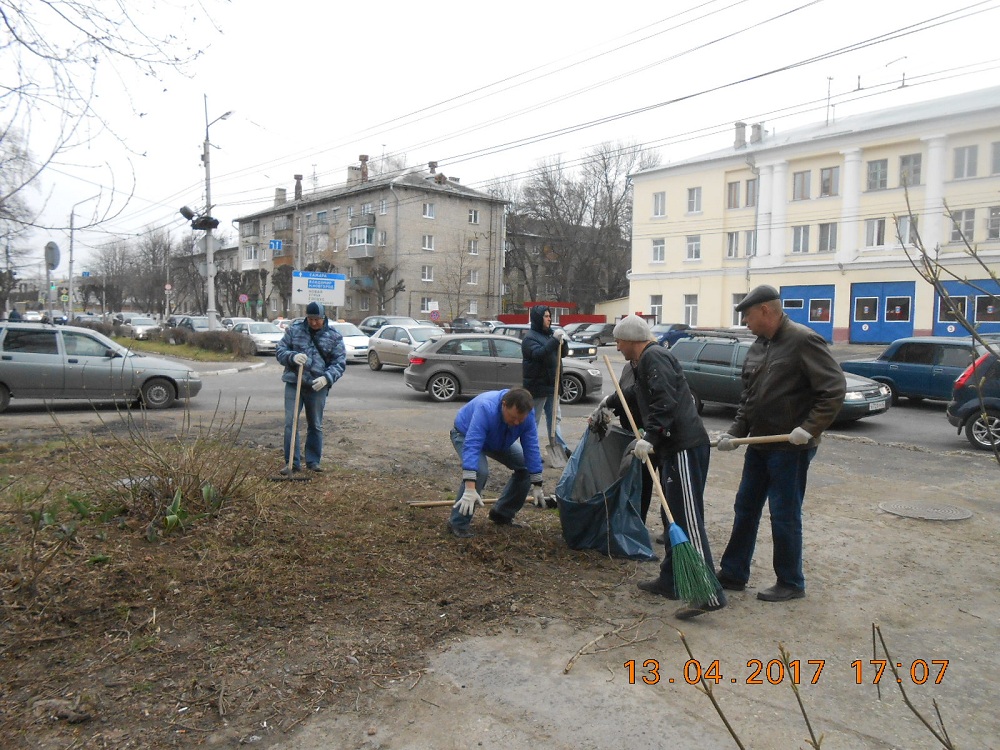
[312,286]
[275,245]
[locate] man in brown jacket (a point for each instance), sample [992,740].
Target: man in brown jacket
[791,385]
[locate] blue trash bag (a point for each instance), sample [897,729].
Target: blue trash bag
[599,497]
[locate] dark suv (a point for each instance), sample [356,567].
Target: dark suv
[468,325]
[713,368]
[975,403]
[597,334]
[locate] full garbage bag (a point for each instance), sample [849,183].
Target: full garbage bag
[599,497]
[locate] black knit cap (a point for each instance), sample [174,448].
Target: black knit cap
[314,310]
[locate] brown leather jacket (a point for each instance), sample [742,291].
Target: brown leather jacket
[789,381]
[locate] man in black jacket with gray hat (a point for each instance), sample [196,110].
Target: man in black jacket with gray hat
[791,385]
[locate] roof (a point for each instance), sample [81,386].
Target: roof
[416,179]
[982,101]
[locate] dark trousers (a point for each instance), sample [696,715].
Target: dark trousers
[779,477]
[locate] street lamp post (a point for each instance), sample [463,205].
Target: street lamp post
[206,222]
[72,217]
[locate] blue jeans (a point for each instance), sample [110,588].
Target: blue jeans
[543,404]
[518,486]
[313,402]
[779,477]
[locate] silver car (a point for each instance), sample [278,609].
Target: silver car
[265,336]
[50,362]
[467,363]
[138,327]
[391,345]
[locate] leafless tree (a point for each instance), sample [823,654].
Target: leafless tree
[385,289]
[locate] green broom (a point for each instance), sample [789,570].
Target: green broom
[694,582]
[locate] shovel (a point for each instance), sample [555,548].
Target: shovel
[288,476]
[555,454]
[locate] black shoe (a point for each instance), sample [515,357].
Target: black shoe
[780,593]
[659,540]
[463,532]
[569,453]
[285,472]
[699,608]
[654,586]
[315,467]
[503,520]
[729,584]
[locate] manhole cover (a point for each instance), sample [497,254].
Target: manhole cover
[926,512]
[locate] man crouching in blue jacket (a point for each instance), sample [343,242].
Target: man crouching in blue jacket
[491,426]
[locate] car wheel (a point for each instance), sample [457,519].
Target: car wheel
[893,393]
[157,393]
[571,389]
[443,387]
[373,361]
[984,431]
[4,397]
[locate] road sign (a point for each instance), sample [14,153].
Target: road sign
[64,298]
[435,315]
[167,287]
[275,245]
[85,274]
[312,286]
[243,299]
[52,255]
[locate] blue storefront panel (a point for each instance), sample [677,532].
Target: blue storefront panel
[977,300]
[881,312]
[810,305]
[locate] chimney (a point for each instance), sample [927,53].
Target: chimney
[280,196]
[741,135]
[440,179]
[364,167]
[353,175]
[756,132]
[432,166]
[298,187]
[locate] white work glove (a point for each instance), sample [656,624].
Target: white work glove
[642,449]
[559,335]
[320,383]
[798,436]
[468,502]
[300,358]
[726,442]
[600,415]
[537,498]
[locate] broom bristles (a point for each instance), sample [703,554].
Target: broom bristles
[694,582]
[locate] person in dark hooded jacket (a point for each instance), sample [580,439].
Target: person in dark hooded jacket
[539,352]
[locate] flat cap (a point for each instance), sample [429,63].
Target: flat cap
[762,293]
[632,328]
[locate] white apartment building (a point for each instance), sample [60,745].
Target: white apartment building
[821,213]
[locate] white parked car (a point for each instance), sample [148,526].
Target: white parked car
[138,327]
[228,323]
[355,341]
[265,336]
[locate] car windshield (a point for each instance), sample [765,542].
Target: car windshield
[596,327]
[424,333]
[143,322]
[199,322]
[264,328]
[347,329]
[401,321]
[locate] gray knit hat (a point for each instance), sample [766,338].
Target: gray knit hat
[632,328]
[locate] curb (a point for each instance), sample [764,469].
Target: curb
[234,370]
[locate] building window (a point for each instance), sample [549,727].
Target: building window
[733,195]
[800,185]
[963,225]
[250,252]
[694,247]
[965,161]
[659,250]
[381,238]
[694,200]
[473,247]
[750,242]
[349,302]
[751,193]
[737,319]
[473,277]
[363,303]
[656,307]
[878,174]
[427,273]
[282,223]
[800,239]
[995,159]
[732,244]
[906,229]
[909,170]
[827,238]
[350,212]
[427,242]
[875,232]
[425,304]
[361,236]
[993,224]
[473,215]
[691,309]
[829,181]
[659,204]
[366,208]
[428,210]
[474,307]
[383,207]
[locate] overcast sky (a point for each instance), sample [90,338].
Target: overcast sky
[488,93]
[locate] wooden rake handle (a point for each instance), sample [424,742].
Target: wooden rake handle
[635,430]
[758,440]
